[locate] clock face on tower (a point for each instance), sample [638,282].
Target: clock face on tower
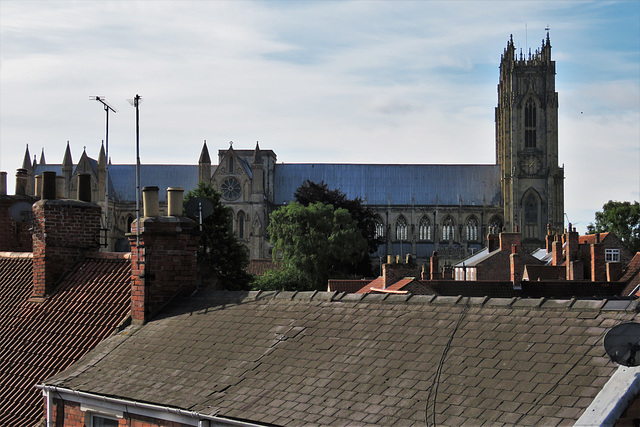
[230,189]
[531,165]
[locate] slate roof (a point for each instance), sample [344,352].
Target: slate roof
[38,340]
[346,359]
[123,178]
[380,184]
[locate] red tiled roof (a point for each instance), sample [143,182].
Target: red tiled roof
[590,239]
[258,267]
[376,283]
[632,275]
[395,287]
[350,286]
[38,340]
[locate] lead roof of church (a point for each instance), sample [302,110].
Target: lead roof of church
[396,184]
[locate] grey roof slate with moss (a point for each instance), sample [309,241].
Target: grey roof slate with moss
[346,359]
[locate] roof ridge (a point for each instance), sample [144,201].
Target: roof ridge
[16,254]
[604,304]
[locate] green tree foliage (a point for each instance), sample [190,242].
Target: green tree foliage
[621,218]
[219,250]
[315,242]
[365,218]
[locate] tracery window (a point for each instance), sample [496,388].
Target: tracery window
[241,225]
[448,229]
[472,229]
[379,229]
[231,164]
[401,228]
[495,225]
[424,229]
[531,209]
[530,124]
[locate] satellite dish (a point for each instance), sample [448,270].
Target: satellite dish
[20,211]
[622,344]
[198,208]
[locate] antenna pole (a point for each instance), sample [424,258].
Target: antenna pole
[107,107]
[136,103]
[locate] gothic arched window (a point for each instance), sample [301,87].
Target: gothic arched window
[472,229]
[495,225]
[530,124]
[448,229]
[531,209]
[401,228]
[230,164]
[379,229]
[241,225]
[424,229]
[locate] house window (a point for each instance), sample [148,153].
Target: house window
[448,229]
[401,229]
[530,124]
[100,421]
[612,255]
[424,229]
[472,229]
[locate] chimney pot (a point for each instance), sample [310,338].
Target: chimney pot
[150,201]
[22,180]
[175,201]
[48,185]
[84,187]
[3,183]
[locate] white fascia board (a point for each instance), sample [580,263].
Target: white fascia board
[613,399]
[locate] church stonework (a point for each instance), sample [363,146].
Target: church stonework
[420,208]
[527,144]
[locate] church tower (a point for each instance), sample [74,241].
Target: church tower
[527,144]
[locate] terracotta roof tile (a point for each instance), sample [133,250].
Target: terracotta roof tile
[38,340]
[347,359]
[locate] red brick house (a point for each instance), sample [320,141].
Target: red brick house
[57,301]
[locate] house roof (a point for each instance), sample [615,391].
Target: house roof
[346,359]
[544,272]
[590,239]
[421,184]
[38,340]
[632,275]
[347,285]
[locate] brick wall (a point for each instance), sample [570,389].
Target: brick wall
[164,265]
[14,236]
[63,231]
[70,414]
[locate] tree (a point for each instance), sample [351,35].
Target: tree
[315,242]
[365,218]
[621,218]
[219,251]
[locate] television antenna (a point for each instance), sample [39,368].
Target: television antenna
[107,108]
[199,208]
[622,344]
[136,103]
[20,211]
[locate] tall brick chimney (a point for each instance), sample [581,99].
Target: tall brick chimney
[508,240]
[493,242]
[63,231]
[598,269]
[434,267]
[515,266]
[575,267]
[165,262]
[556,252]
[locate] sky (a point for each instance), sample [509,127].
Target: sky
[318,81]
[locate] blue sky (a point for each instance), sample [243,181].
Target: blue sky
[327,81]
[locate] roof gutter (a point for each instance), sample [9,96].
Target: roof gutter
[100,404]
[613,399]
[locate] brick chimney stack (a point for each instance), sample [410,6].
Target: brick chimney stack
[63,231]
[434,267]
[598,269]
[165,262]
[556,250]
[575,268]
[508,240]
[515,264]
[493,242]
